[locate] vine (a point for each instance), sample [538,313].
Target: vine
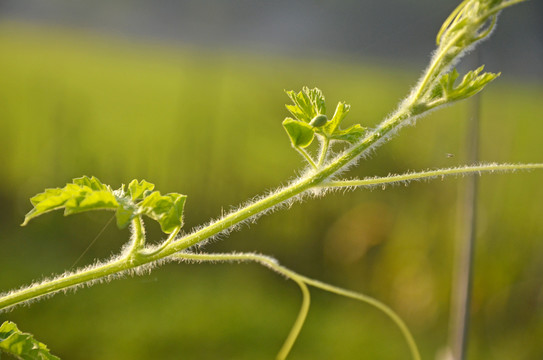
[470,23]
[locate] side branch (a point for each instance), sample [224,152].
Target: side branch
[431,174]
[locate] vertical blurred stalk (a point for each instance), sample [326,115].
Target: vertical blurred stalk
[463,272]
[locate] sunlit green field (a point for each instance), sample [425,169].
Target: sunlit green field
[208,124]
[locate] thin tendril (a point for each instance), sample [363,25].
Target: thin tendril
[300,279]
[298,324]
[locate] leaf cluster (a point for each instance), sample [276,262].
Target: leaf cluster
[309,119]
[85,194]
[471,21]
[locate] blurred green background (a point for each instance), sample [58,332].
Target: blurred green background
[207,123]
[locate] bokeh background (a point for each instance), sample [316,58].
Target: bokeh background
[189,95]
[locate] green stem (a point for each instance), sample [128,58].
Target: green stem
[257,207]
[449,50]
[138,236]
[298,324]
[454,15]
[436,66]
[375,303]
[431,174]
[306,156]
[324,151]
[313,179]
[64,282]
[166,242]
[83,276]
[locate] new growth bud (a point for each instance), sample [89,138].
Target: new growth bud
[318,120]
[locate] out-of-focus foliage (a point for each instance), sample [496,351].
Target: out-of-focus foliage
[17,343]
[72,104]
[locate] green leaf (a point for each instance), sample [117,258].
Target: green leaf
[472,82]
[309,111]
[447,81]
[300,133]
[308,103]
[125,212]
[85,194]
[333,131]
[82,195]
[138,190]
[166,209]
[470,85]
[22,345]
[317,99]
[92,183]
[352,134]
[90,200]
[478,16]
[342,110]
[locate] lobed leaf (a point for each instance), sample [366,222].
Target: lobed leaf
[85,194]
[308,103]
[22,345]
[82,194]
[472,82]
[167,209]
[333,130]
[297,113]
[342,110]
[90,200]
[92,183]
[470,85]
[317,99]
[352,134]
[126,211]
[139,190]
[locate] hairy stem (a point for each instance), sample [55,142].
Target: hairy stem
[436,66]
[463,170]
[138,236]
[64,282]
[411,108]
[171,246]
[311,180]
[324,151]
